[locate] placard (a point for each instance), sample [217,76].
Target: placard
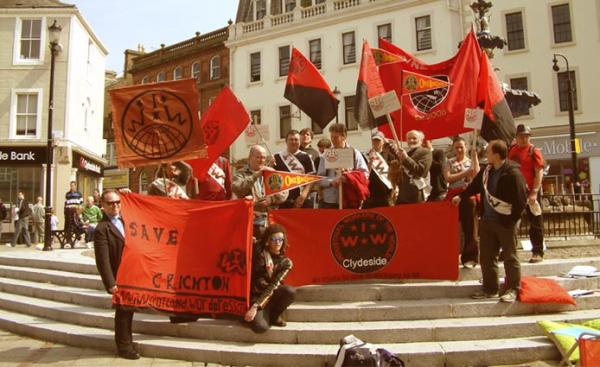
[384,103]
[252,136]
[339,158]
[473,118]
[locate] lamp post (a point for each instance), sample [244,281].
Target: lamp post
[336,92]
[55,48]
[571,107]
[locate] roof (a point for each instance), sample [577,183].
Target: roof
[26,4]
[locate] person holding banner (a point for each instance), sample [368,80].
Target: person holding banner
[109,241]
[248,182]
[269,297]
[171,180]
[294,160]
[414,166]
[331,183]
[216,185]
[504,195]
[379,158]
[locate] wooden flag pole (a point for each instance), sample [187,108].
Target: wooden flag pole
[340,189]
[262,140]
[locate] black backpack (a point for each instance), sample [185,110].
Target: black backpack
[354,352]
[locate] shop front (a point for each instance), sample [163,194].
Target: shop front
[116,178]
[89,173]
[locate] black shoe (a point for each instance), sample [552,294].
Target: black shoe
[129,354]
[280,322]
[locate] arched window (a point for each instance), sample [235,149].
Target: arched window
[215,67]
[160,77]
[196,70]
[146,80]
[177,73]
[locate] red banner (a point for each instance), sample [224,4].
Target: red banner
[185,256]
[418,241]
[156,123]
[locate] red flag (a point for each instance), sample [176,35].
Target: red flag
[438,112]
[498,120]
[368,85]
[306,88]
[404,56]
[156,123]
[186,256]
[278,181]
[379,243]
[224,121]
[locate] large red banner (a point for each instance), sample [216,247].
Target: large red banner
[185,256]
[418,241]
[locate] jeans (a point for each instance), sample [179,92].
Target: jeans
[22,225]
[493,237]
[282,297]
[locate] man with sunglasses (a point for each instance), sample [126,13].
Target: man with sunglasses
[504,196]
[109,241]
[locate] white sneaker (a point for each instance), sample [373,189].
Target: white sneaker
[89,244]
[9,244]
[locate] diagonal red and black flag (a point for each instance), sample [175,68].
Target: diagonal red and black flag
[368,86]
[498,120]
[307,89]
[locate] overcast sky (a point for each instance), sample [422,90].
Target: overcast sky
[123,24]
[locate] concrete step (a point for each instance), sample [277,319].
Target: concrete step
[253,353]
[73,261]
[391,331]
[359,311]
[57,277]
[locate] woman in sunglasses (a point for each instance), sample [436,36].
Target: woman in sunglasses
[268,295]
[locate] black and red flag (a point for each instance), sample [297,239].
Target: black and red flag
[307,89]
[368,86]
[498,120]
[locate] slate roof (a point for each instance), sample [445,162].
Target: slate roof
[28,4]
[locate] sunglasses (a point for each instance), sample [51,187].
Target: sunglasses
[113,203]
[277,239]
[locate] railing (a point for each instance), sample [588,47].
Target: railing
[568,215]
[345,4]
[282,19]
[254,26]
[313,11]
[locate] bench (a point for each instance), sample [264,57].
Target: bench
[65,238]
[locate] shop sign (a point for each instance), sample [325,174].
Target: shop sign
[86,164]
[560,147]
[22,155]
[116,179]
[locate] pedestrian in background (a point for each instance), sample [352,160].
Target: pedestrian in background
[22,215]
[38,219]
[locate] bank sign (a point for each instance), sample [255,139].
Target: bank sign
[560,147]
[18,156]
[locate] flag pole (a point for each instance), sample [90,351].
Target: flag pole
[340,190]
[262,139]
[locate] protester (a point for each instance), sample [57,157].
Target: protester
[331,184]
[322,145]
[459,172]
[268,296]
[109,241]
[23,212]
[91,215]
[414,167]
[73,200]
[38,219]
[531,163]
[96,195]
[216,185]
[171,180]
[294,160]
[439,185]
[248,182]
[504,196]
[306,136]
[379,158]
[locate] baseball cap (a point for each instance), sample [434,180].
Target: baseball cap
[523,129]
[378,135]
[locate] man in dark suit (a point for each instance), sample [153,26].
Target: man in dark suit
[109,241]
[22,221]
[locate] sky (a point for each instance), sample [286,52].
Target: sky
[123,24]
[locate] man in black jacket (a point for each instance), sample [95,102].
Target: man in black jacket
[22,221]
[109,241]
[504,196]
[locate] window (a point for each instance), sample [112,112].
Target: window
[315,127]
[285,120]
[255,67]
[284,60]
[255,115]
[26,114]
[160,77]
[351,123]
[520,83]
[145,80]
[315,52]
[177,73]
[31,39]
[349,48]
[143,182]
[423,27]
[563,90]
[385,31]
[261,9]
[196,70]
[289,5]
[215,67]
[514,31]
[561,23]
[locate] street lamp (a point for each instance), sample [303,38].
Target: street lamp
[55,48]
[570,104]
[336,92]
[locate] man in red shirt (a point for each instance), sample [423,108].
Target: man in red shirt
[532,167]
